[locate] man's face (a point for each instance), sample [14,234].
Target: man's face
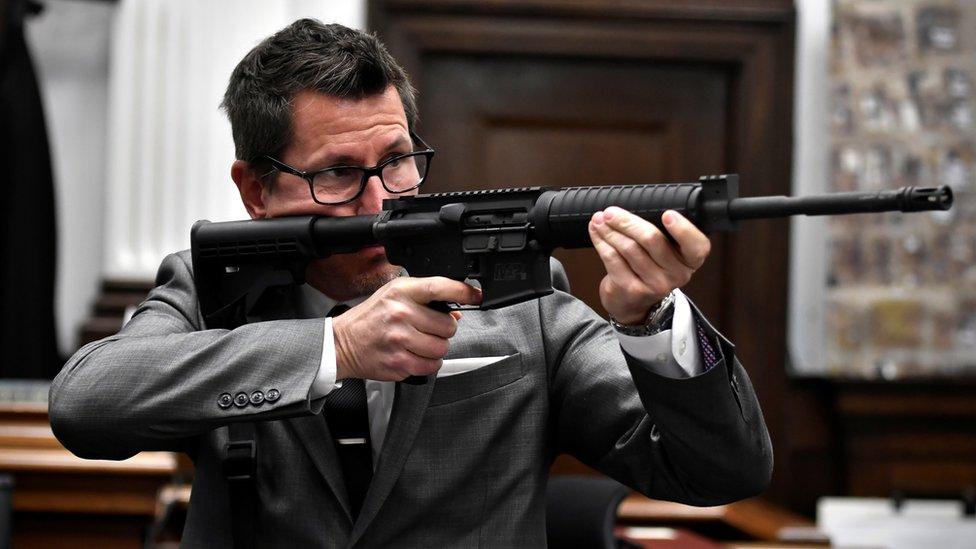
[327,131]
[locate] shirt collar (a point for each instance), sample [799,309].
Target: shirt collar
[315,304]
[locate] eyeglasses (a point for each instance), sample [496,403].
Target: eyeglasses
[343,184]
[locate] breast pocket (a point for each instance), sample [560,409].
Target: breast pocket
[477,382]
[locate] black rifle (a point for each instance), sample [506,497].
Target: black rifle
[502,238]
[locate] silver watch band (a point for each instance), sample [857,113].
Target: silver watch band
[657,319]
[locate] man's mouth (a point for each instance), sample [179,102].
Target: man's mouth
[373,252]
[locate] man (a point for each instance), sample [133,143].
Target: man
[322,119]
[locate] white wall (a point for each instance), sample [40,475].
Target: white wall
[170,147]
[69,43]
[114,218]
[811,141]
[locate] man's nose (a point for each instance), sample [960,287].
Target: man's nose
[371,202]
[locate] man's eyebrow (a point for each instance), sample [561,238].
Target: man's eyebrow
[346,160]
[400,141]
[397,143]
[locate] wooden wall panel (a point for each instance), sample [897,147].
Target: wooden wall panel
[919,439]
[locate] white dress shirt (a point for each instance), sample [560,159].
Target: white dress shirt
[655,351]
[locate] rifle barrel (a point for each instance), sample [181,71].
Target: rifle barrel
[905,199]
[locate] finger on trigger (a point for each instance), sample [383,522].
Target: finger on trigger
[439,288]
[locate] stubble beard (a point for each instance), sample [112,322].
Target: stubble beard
[368,283]
[343,282]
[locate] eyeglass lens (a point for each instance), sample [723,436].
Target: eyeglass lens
[399,175]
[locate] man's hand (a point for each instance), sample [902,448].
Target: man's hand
[642,266]
[394,334]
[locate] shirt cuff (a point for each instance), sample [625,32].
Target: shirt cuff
[670,353]
[325,378]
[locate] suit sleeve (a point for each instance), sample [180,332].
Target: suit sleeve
[699,440]
[163,379]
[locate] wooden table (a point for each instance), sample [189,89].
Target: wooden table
[748,521]
[60,500]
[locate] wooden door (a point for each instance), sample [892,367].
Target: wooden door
[548,92]
[508,122]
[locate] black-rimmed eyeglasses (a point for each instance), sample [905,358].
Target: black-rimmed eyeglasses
[342,184]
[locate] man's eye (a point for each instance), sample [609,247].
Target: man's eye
[341,173]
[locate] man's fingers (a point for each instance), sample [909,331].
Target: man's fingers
[618,270]
[439,288]
[435,323]
[408,364]
[693,245]
[421,366]
[426,345]
[648,253]
[640,260]
[411,297]
[395,334]
[608,254]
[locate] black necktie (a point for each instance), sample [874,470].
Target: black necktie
[348,420]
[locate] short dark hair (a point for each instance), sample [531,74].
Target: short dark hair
[306,55]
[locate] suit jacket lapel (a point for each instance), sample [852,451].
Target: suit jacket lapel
[408,412]
[409,405]
[315,436]
[282,302]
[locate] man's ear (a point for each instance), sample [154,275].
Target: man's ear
[251,189]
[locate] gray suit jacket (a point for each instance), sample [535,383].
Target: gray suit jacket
[466,457]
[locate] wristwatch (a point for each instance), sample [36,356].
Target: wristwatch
[658,320]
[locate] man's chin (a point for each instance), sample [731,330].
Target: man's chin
[345,280]
[369,282]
